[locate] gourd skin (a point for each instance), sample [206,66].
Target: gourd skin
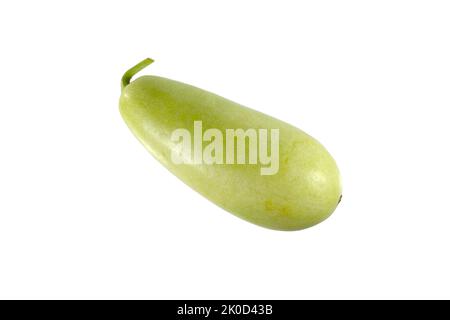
[304,192]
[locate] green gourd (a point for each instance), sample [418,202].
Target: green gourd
[303,188]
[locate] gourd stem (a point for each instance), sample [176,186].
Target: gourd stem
[130,73]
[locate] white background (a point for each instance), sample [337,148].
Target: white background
[86,212]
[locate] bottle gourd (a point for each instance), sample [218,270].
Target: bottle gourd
[259,168]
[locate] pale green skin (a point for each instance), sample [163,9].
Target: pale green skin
[304,192]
